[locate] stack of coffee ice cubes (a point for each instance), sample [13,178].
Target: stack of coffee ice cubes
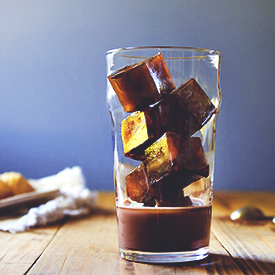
[159,132]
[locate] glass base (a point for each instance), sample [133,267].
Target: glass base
[165,257]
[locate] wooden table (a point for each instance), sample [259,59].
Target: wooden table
[89,245]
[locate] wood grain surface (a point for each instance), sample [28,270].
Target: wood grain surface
[89,245]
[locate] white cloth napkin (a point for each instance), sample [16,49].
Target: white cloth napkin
[75,199]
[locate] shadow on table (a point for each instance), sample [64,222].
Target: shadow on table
[222,264]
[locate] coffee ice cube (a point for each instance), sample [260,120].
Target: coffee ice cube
[137,184]
[137,134]
[168,191]
[172,163]
[174,152]
[185,110]
[144,83]
[196,101]
[177,200]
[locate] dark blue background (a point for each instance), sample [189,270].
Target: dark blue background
[53,81]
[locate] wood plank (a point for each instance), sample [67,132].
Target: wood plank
[82,249]
[80,243]
[90,246]
[226,201]
[251,244]
[19,251]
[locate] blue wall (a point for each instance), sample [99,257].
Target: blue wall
[52,81]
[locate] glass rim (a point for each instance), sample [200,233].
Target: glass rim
[210,51]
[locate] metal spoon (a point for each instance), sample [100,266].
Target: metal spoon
[249,213]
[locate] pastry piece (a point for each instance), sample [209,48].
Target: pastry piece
[16,182]
[5,190]
[144,83]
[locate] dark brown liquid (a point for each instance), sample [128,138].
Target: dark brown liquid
[164,229]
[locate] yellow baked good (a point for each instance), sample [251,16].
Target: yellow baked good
[16,182]
[5,190]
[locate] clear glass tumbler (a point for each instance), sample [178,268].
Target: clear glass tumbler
[163,103]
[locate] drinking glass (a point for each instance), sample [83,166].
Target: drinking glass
[164,225]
